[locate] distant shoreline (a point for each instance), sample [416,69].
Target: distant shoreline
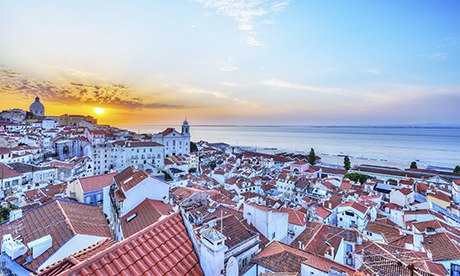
[309,126]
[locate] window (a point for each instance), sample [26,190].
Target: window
[348,213]
[244,262]
[455,270]
[273,235]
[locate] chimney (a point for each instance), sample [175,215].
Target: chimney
[359,239]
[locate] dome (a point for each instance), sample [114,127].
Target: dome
[185,122]
[37,107]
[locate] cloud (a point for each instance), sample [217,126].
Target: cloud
[251,40]
[73,92]
[229,84]
[374,71]
[247,13]
[277,84]
[435,57]
[228,68]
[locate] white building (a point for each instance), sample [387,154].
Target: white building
[131,187]
[273,224]
[118,155]
[352,214]
[174,143]
[402,197]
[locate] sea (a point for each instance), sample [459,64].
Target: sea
[428,146]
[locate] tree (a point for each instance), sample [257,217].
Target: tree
[413,165]
[312,157]
[346,163]
[193,147]
[212,165]
[357,177]
[457,169]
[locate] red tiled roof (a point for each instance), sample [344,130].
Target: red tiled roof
[7,172]
[295,216]
[390,233]
[405,191]
[163,248]
[279,257]
[144,144]
[234,230]
[322,212]
[61,219]
[315,235]
[146,213]
[44,194]
[440,196]
[128,178]
[354,205]
[167,131]
[97,182]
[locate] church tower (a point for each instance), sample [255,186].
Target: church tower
[185,128]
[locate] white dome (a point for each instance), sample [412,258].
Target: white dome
[37,107]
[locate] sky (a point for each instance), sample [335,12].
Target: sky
[234,62]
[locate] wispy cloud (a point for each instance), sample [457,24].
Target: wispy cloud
[247,13]
[73,92]
[228,68]
[374,71]
[229,84]
[280,84]
[435,57]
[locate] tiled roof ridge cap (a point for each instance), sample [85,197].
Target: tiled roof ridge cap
[69,223]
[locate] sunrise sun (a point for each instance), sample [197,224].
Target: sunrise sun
[99,110]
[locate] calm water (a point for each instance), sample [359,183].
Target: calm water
[430,145]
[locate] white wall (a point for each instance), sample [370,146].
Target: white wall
[148,188]
[75,244]
[272,224]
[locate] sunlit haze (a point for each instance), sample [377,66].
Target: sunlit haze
[234,62]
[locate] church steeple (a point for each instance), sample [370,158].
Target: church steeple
[185,128]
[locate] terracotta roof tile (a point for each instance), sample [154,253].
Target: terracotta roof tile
[129,177]
[97,182]
[122,258]
[295,216]
[279,257]
[146,213]
[8,172]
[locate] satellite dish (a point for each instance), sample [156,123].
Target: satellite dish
[232,267]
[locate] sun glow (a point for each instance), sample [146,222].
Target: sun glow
[99,110]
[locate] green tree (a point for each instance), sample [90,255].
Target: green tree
[312,157]
[357,177]
[457,169]
[413,165]
[193,147]
[212,165]
[346,163]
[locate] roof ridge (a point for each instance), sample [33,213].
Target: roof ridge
[66,218]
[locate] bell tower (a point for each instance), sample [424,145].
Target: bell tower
[185,128]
